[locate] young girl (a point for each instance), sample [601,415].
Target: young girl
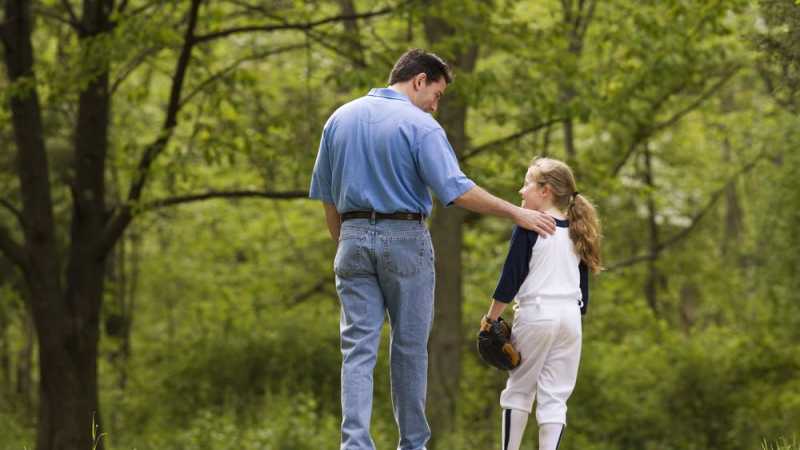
[548,277]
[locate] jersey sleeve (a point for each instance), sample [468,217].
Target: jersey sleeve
[584,272]
[515,269]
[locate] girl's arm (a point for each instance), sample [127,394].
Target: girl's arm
[515,270]
[496,309]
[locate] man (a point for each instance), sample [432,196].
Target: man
[378,157]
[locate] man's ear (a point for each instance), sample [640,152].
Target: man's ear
[420,80]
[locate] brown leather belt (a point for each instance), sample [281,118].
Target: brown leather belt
[376,215]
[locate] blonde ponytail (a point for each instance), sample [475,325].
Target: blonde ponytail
[584,230]
[584,226]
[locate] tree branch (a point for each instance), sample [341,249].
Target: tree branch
[230,68]
[325,40]
[123,5]
[317,288]
[141,8]
[566,6]
[273,195]
[12,250]
[289,26]
[131,66]
[17,213]
[645,132]
[684,233]
[73,19]
[713,199]
[120,220]
[46,12]
[32,161]
[698,101]
[505,140]
[581,32]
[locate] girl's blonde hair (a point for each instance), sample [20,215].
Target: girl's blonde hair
[584,226]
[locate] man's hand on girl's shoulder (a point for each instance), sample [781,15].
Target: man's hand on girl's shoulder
[537,221]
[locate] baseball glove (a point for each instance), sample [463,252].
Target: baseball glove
[494,344]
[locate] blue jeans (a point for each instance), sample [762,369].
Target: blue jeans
[384,267]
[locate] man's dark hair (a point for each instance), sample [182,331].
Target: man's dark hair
[416,61]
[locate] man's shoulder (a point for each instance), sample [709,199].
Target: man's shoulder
[349,106]
[424,121]
[417,123]
[404,114]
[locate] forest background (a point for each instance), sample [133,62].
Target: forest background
[165,283]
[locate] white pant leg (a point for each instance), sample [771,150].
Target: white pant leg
[550,436]
[513,427]
[548,337]
[560,369]
[532,334]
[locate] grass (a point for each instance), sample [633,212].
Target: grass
[781,444]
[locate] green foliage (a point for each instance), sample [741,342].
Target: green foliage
[688,108]
[780,444]
[286,422]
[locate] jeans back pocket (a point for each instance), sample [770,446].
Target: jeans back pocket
[406,255]
[351,255]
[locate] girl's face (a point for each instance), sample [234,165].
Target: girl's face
[534,195]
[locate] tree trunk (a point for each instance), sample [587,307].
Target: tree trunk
[546,141]
[733,209]
[446,340]
[569,141]
[447,235]
[576,20]
[24,380]
[69,406]
[65,317]
[68,380]
[353,42]
[733,216]
[5,358]
[651,284]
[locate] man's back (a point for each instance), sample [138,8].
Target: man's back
[381,153]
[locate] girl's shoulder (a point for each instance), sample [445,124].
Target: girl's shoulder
[523,235]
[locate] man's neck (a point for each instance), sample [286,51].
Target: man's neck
[403,88]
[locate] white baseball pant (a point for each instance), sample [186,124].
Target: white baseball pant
[547,333]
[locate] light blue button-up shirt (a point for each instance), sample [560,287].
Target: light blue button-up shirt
[382,153]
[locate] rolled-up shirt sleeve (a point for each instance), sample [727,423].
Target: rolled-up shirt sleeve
[322,175]
[438,167]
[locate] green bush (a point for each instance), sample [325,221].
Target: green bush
[15,434]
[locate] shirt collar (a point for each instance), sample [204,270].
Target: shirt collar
[388,93]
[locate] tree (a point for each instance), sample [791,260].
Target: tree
[65,266]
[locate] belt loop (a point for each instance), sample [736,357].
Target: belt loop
[372,217]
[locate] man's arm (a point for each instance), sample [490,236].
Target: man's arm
[333,220]
[480,201]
